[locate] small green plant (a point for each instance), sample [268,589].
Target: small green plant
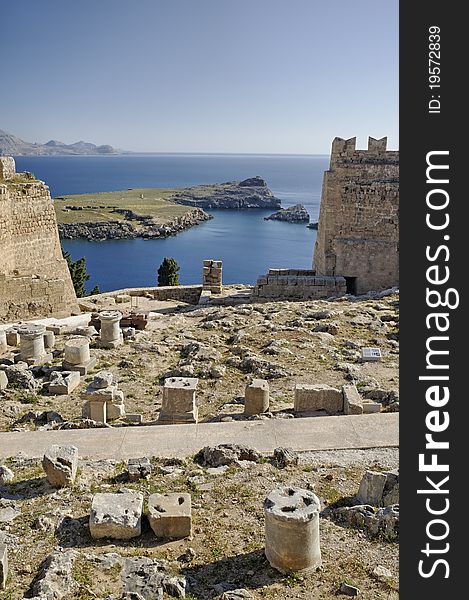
[292,579]
[29,399]
[168,272]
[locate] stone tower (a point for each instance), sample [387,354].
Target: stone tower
[358,231]
[34,277]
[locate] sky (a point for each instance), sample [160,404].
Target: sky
[234,76]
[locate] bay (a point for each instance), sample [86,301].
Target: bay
[247,244]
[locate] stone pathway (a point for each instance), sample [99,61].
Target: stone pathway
[302,434]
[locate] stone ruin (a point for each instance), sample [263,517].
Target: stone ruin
[34,276]
[212,276]
[179,402]
[358,231]
[104,401]
[357,245]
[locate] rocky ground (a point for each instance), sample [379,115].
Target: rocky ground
[226,549]
[226,346]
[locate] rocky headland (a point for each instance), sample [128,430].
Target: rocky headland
[292,214]
[131,227]
[240,195]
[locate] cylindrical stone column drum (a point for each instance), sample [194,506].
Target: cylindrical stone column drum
[110,328]
[3,341]
[32,341]
[77,351]
[292,529]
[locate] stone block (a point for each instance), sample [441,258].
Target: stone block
[83,368]
[170,515]
[63,382]
[3,341]
[96,410]
[121,298]
[115,411]
[49,339]
[316,397]
[3,565]
[3,380]
[138,468]
[371,488]
[256,397]
[353,404]
[60,465]
[101,380]
[179,401]
[13,337]
[116,516]
[370,407]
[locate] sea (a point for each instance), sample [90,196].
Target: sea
[247,244]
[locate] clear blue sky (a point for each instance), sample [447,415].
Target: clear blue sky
[260,76]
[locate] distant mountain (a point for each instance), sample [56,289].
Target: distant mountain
[10,145]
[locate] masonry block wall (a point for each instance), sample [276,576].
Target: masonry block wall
[34,277]
[297,284]
[358,231]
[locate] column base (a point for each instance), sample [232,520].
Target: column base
[83,368]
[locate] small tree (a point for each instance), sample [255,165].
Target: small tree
[168,273]
[95,290]
[78,274]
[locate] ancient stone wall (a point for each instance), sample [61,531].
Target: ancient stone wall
[297,284]
[34,277]
[358,231]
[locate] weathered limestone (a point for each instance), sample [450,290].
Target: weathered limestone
[212,276]
[96,411]
[256,397]
[60,464]
[13,338]
[138,468]
[110,335]
[3,380]
[371,354]
[170,515]
[371,488]
[379,489]
[34,276]
[369,406]
[3,341]
[103,399]
[32,349]
[353,404]
[298,284]
[179,402]
[315,397]
[358,230]
[3,565]
[49,339]
[116,516]
[63,382]
[77,355]
[6,475]
[292,529]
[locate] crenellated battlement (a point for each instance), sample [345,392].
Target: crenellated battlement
[345,151]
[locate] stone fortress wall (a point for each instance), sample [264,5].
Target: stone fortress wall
[34,277]
[358,231]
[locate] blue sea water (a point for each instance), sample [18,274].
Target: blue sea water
[247,244]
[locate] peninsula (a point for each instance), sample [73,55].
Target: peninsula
[154,212]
